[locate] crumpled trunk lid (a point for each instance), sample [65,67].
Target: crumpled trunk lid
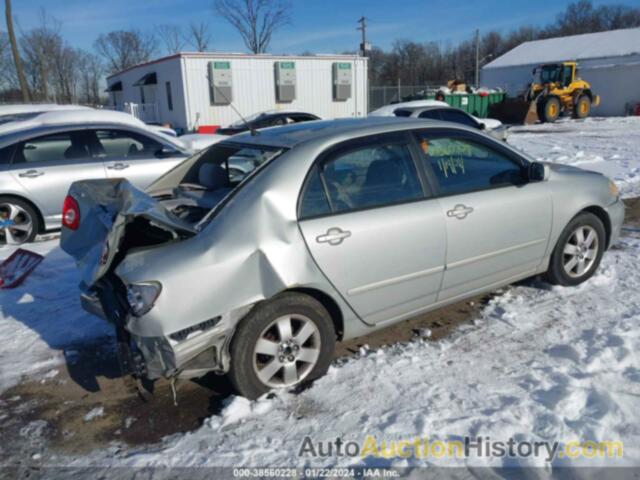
[110,211]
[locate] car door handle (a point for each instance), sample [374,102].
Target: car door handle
[31,174]
[460,211]
[118,166]
[334,236]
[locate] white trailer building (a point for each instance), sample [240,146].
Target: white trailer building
[194,90]
[609,61]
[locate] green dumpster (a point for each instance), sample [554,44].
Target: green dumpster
[472,103]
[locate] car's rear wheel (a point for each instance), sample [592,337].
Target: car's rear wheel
[19,223]
[578,252]
[284,342]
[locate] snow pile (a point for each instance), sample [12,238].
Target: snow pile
[607,145]
[541,363]
[43,316]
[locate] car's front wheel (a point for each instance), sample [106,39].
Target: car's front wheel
[284,342]
[19,223]
[578,251]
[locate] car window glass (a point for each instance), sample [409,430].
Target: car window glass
[56,147]
[402,113]
[6,154]
[461,165]
[432,114]
[118,144]
[458,117]
[314,199]
[370,176]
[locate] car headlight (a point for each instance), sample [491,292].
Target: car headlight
[142,296]
[613,189]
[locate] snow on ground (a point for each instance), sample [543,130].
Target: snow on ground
[607,145]
[540,363]
[43,316]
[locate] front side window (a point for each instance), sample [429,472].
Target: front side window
[363,177]
[119,144]
[460,165]
[57,147]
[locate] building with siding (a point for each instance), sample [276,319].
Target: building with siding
[191,91]
[609,61]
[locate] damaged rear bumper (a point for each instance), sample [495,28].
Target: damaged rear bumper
[187,353]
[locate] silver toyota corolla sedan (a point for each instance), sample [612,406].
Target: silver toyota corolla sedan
[343,227]
[42,153]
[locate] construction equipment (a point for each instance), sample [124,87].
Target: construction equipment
[556,90]
[560,91]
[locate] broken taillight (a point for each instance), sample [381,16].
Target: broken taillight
[70,213]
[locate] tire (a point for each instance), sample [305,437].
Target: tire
[570,251]
[549,109]
[257,368]
[25,222]
[582,107]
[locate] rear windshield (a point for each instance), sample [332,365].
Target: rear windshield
[220,167]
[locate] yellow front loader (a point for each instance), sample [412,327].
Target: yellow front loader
[558,90]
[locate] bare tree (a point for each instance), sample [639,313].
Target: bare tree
[91,70]
[40,46]
[172,37]
[200,36]
[255,20]
[16,53]
[124,48]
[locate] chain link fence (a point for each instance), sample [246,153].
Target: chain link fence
[380,96]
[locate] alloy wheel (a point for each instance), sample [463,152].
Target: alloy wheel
[286,351]
[16,224]
[580,251]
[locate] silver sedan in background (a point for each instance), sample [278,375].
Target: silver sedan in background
[43,152]
[342,228]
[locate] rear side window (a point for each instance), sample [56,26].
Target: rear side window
[314,199]
[402,113]
[57,147]
[458,117]
[118,144]
[431,114]
[362,177]
[460,165]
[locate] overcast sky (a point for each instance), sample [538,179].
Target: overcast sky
[318,26]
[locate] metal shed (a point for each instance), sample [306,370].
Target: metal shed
[193,90]
[610,61]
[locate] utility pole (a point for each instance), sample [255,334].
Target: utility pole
[477,58]
[363,28]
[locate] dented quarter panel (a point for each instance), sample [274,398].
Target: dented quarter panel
[250,250]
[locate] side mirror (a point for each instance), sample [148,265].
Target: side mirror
[536,172]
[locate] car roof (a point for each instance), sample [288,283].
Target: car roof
[13,127]
[297,133]
[432,107]
[69,117]
[388,110]
[19,108]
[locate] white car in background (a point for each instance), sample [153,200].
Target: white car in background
[437,110]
